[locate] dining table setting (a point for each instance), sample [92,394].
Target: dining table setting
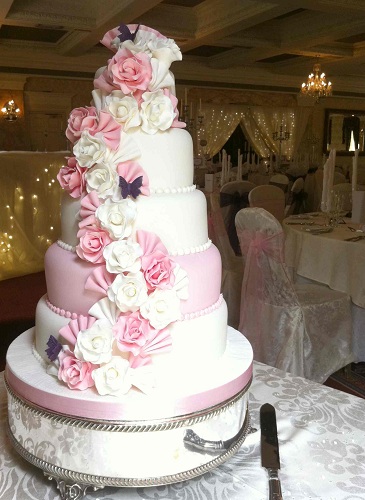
[329,248]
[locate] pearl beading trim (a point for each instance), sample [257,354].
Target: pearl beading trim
[59,311]
[66,246]
[188,251]
[179,190]
[180,251]
[185,317]
[38,357]
[203,312]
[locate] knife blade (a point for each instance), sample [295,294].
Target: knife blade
[270,458]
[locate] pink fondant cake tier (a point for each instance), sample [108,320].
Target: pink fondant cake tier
[176,394]
[66,276]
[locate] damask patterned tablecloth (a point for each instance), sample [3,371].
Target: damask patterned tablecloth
[322,450]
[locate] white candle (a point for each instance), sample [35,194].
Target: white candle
[331,175]
[354,170]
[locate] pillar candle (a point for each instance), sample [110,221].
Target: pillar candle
[354,170]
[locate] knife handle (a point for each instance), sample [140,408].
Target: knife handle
[274,485]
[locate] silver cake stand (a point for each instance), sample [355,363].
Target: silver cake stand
[74,485]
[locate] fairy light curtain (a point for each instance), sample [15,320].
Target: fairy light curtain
[257,122]
[29,210]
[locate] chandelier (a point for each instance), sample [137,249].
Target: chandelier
[10,110]
[316,85]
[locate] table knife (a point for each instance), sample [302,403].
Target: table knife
[270,449]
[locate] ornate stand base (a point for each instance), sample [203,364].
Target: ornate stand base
[71,491]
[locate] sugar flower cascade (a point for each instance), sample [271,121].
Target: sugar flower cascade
[141,284]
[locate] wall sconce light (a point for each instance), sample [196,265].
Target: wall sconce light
[11,111]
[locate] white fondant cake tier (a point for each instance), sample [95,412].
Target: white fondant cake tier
[166,157]
[180,393]
[179,218]
[195,341]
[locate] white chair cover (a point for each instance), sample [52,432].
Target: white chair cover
[280,180]
[232,265]
[271,198]
[305,329]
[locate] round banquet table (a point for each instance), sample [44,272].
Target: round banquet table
[322,451]
[329,259]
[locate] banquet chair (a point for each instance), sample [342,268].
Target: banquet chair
[338,178]
[303,329]
[233,197]
[271,198]
[296,198]
[262,169]
[232,265]
[280,180]
[343,192]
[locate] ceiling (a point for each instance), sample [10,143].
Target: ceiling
[244,44]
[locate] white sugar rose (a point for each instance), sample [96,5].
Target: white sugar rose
[165,50]
[96,343]
[117,217]
[89,150]
[113,378]
[161,308]
[123,256]
[124,110]
[103,179]
[157,112]
[129,291]
[162,78]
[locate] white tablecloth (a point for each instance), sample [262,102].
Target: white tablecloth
[322,450]
[327,258]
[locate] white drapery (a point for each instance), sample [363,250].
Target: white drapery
[29,209]
[257,122]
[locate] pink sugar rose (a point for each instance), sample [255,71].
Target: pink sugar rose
[74,372]
[131,332]
[72,177]
[93,240]
[130,72]
[156,264]
[135,335]
[81,119]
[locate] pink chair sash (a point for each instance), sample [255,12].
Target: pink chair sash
[258,247]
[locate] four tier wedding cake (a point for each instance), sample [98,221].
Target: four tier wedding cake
[131,349]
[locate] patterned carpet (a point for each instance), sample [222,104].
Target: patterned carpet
[350,379]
